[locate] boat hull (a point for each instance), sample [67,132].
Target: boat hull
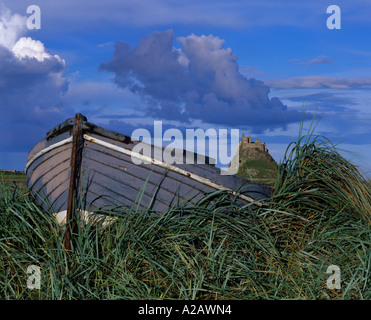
[109,180]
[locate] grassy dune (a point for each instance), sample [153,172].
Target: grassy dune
[319,215]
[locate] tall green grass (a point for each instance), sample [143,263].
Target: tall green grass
[319,215]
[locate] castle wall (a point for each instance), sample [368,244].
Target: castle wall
[247,143]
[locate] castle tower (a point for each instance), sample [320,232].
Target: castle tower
[245,139]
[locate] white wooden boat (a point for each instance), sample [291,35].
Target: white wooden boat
[79,164]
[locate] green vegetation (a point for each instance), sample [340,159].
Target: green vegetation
[258,171]
[319,215]
[15,178]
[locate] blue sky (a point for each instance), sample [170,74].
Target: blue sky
[251,65]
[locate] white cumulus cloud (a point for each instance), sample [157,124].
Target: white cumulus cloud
[29,48]
[11,28]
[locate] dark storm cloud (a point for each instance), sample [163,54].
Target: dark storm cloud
[30,95]
[200,80]
[29,87]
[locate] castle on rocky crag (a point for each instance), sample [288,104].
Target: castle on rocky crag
[253,161]
[246,143]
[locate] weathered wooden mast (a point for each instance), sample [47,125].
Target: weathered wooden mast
[75,167]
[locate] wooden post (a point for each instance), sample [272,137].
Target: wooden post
[75,167]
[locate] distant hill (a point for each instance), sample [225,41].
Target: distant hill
[13,177]
[255,162]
